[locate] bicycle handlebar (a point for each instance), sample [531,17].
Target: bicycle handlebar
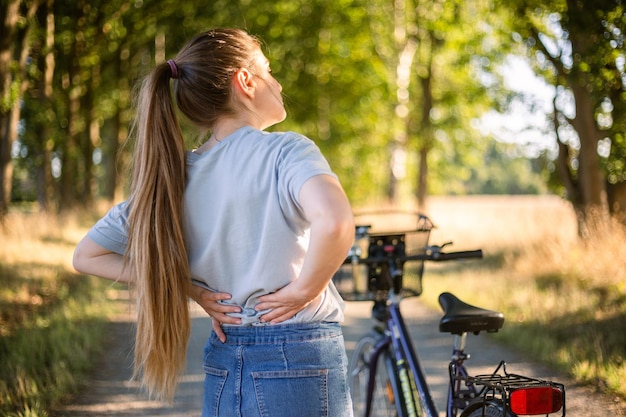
[384,254]
[438,256]
[433,253]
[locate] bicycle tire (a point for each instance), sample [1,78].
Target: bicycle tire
[383,400]
[491,408]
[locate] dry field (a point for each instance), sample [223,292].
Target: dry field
[488,222]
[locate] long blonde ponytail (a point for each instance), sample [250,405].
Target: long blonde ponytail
[156,248]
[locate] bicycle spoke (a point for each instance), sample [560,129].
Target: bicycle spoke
[359,373]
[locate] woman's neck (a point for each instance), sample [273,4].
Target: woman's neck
[220,131]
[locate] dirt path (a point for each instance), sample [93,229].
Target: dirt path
[111,394]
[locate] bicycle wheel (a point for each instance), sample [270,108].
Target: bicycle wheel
[489,409]
[383,400]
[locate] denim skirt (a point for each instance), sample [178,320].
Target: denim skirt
[290,370]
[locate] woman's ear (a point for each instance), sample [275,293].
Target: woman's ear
[244,82]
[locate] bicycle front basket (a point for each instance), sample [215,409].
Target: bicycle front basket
[360,282]
[409,284]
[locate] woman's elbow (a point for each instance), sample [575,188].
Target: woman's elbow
[341,230]
[78,259]
[84,254]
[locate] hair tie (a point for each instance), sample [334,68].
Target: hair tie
[173,68]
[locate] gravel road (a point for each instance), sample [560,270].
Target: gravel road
[109,392]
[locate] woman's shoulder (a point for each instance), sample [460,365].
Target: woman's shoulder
[287,136]
[290,141]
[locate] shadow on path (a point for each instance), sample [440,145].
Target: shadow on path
[110,393]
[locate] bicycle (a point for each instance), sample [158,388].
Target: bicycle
[386,377]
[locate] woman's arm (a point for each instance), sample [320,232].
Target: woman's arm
[93,259]
[327,208]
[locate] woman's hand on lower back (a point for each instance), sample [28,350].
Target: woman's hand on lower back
[285,303]
[210,302]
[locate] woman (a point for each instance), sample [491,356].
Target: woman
[251,225]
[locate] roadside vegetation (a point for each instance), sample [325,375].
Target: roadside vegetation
[564,301]
[52,321]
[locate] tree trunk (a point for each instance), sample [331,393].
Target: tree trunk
[426,130]
[422,178]
[591,179]
[14,45]
[8,27]
[406,47]
[73,89]
[71,154]
[45,183]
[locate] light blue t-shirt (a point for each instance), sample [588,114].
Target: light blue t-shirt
[244,228]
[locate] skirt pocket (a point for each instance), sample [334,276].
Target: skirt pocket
[214,380]
[294,392]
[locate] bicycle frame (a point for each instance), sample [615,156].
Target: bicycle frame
[404,348]
[458,398]
[396,334]
[463,389]
[508,394]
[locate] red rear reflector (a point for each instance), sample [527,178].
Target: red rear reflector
[536,400]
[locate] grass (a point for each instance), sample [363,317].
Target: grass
[51,319]
[564,301]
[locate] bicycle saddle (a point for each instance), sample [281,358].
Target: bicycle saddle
[460,317]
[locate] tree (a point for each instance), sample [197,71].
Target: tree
[459,47]
[370,81]
[14,51]
[578,47]
[438,56]
[76,111]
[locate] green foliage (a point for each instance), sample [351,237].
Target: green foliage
[338,72]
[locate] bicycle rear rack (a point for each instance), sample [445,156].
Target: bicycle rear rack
[520,394]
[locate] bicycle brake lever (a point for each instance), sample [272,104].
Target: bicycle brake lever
[435,250]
